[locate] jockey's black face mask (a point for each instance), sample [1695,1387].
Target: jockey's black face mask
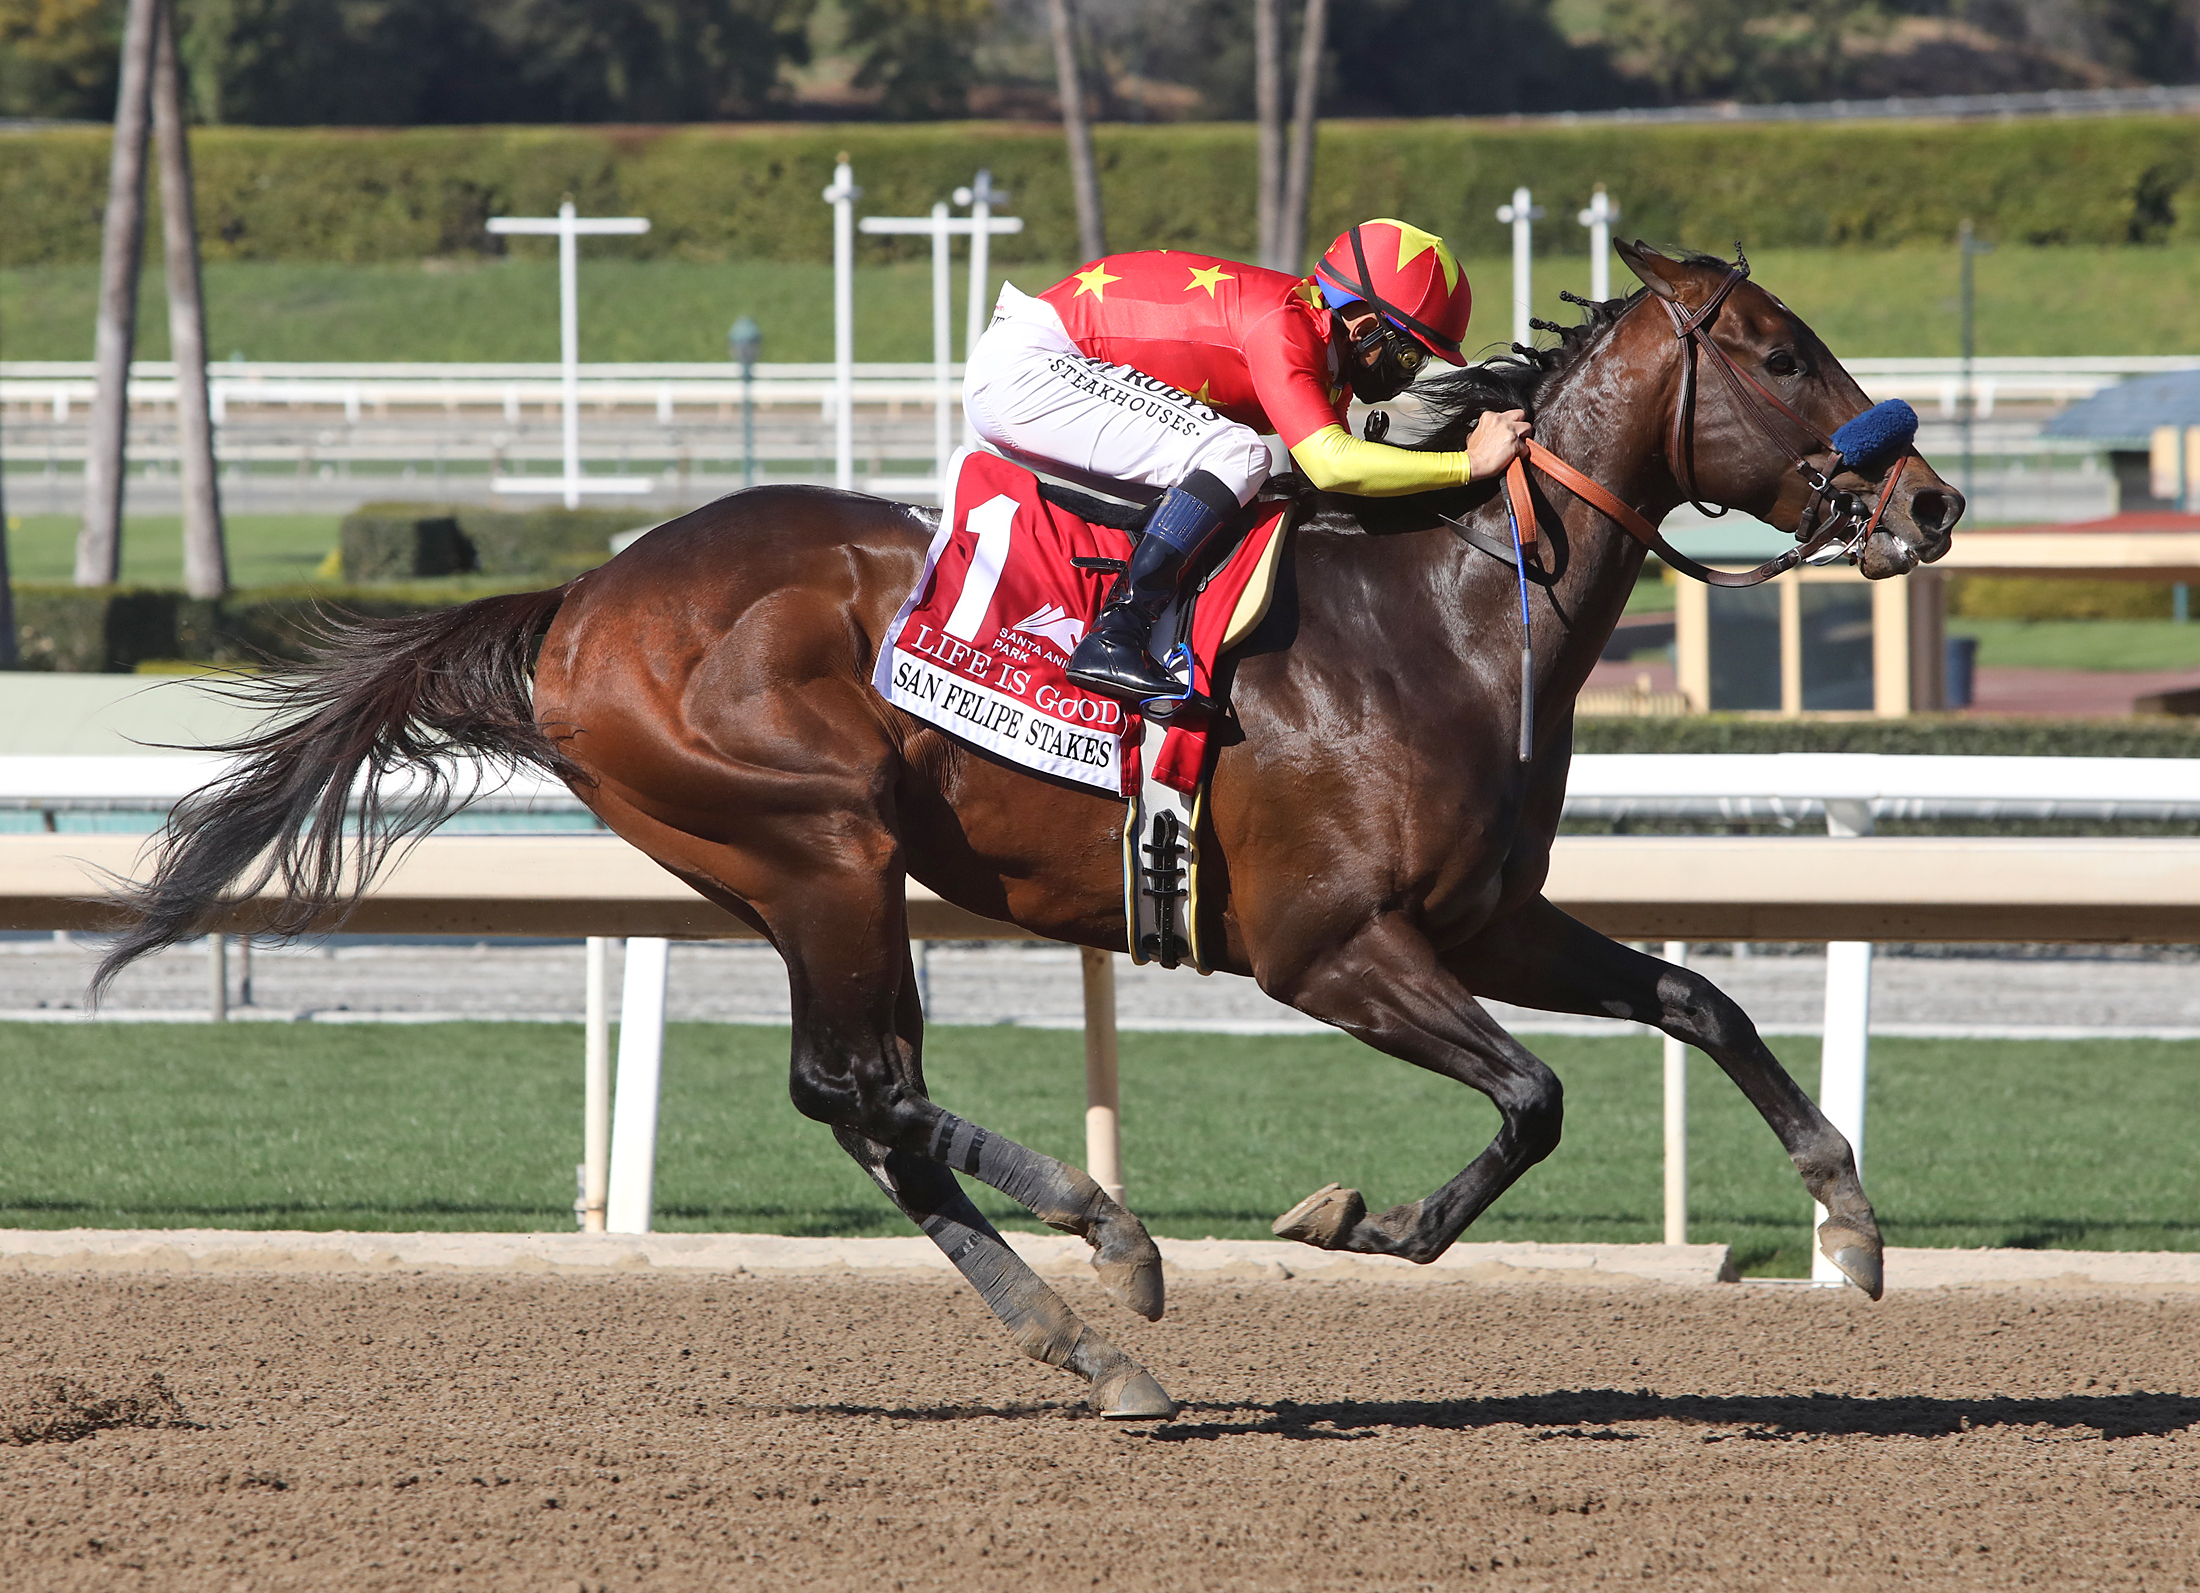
[1384,362]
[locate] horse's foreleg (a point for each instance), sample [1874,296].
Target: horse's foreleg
[1386,986]
[1544,959]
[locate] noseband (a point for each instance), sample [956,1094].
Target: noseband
[1833,525]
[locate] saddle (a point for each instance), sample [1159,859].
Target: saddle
[1014,576]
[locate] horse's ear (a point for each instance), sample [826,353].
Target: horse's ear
[1659,274]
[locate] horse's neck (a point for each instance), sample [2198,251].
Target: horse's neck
[1602,421]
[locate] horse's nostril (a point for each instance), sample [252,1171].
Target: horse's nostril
[1934,510]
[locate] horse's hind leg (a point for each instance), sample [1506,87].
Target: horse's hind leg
[857,1067]
[1541,958]
[1043,1325]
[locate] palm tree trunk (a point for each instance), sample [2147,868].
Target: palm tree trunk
[1268,112]
[1299,171]
[1084,175]
[205,557]
[99,542]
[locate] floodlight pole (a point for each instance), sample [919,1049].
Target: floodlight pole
[1521,215]
[1967,242]
[1598,218]
[981,196]
[568,227]
[943,342]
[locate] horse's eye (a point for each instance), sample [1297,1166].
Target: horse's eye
[1782,363]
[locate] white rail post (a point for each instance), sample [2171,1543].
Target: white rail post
[1521,215]
[1845,1052]
[842,196]
[217,978]
[1598,218]
[567,226]
[980,196]
[1103,1091]
[569,349]
[1676,1117]
[943,344]
[596,1089]
[633,1179]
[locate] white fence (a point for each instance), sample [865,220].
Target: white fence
[1675,888]
[59,387]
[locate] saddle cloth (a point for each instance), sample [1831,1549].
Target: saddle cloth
[980,646]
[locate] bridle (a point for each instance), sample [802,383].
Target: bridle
[1828,512]
[1833,525]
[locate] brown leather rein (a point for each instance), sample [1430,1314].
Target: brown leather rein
[1832,524]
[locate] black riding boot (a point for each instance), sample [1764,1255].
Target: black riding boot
[1114,660]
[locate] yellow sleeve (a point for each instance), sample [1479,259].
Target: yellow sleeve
[1336,461]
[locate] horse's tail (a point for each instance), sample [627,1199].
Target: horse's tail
[305,803]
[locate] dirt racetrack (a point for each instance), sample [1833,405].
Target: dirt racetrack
[505,1431]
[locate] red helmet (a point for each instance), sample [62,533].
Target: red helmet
[1408,275]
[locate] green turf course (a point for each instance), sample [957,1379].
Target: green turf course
[2032,301]
[2082,1145]
[264,549]
[2083,644]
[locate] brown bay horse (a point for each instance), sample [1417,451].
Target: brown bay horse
[1378,850]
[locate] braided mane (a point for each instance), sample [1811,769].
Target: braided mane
[1517,378]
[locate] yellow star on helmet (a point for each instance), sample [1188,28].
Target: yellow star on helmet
[1094,279]
[1207,279]
[1414,243]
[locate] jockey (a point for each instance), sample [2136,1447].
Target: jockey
[1163,370]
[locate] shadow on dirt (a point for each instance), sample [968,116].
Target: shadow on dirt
[1591,1413]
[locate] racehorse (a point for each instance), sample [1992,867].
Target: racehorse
[1377,847]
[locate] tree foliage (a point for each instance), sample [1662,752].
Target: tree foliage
[59,57]
[406,62]
[921,54]
[413,62]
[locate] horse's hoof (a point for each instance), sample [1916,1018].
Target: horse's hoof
[1132,1395]
[1860,1260]
[1324,1219]
[1133,1280]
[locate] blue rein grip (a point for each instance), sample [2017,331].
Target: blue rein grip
[1876,436]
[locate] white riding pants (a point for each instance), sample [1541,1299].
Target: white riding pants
[1030,394]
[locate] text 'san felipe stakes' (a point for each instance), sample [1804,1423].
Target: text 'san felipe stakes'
[981,646]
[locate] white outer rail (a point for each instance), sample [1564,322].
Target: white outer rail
[1707,783]
[1845,889]
[60,385]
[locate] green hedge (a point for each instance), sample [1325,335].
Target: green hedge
[2037,738]
[405,541]
[2043,597]
[751,192]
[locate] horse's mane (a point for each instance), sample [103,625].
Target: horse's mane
[1516,379]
